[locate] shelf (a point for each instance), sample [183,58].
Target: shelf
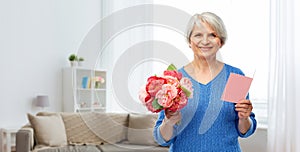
[80,90]
[100,108]
[83,89]
[87,69]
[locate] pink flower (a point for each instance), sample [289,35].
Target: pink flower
[187,84]
[172,80]
[179,102]
[166,95]
[173,73]
[154,84]
[99,79]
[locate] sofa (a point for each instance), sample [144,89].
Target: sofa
[88,132]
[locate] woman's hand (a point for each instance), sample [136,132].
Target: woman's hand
[166,129]
[172,117]
[244,108]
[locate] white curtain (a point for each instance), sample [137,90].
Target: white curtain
[284,120]
[118,45]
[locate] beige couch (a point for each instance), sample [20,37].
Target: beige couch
[88,132]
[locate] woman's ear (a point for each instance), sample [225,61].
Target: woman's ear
[220,44]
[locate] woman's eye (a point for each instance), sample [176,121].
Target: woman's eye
[197,35]
[212,35]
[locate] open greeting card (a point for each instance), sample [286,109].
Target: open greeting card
[236,88]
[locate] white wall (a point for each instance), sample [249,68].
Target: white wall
[36,39]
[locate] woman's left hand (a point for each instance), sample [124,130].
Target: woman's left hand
[244,108]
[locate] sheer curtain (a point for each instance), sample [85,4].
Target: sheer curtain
[284,119]
[118,45]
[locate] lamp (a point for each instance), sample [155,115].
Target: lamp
[42,101]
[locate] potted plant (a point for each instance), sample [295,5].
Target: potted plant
[80,61]
[73,59]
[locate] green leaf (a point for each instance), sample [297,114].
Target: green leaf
[186,91]
[155,105]
[171,67]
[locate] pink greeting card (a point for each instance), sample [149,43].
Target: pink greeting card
[236,88]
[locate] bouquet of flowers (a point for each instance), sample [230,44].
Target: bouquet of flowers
[167,92]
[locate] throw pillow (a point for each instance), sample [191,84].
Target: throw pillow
[140,129]
[45,113]
[78,133]
[48,130]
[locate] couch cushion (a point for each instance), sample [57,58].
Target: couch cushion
[140,129]
[110,127]
[48,130]
[88,148]
[78,133]
[131,148]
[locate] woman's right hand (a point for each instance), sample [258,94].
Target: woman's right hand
[172,118]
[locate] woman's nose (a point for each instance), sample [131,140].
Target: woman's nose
[205,40]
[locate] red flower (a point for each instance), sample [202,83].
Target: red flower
[173,73]
[154,84]
[144,96]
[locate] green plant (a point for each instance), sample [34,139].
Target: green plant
[72,57]
[81,59]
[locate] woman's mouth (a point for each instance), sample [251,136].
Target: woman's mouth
[205,49]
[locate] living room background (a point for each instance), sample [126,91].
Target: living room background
[44,34]
[38,36]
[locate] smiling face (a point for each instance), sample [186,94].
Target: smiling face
[204,41]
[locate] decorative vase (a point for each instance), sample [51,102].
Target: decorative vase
[73,63]
[97,84]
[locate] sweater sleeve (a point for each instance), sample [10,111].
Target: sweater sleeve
[252,127]
[156,132]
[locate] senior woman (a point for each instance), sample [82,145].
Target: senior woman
[207,123]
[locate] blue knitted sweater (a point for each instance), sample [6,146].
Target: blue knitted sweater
[208,123]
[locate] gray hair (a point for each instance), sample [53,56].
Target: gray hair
[214,21]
